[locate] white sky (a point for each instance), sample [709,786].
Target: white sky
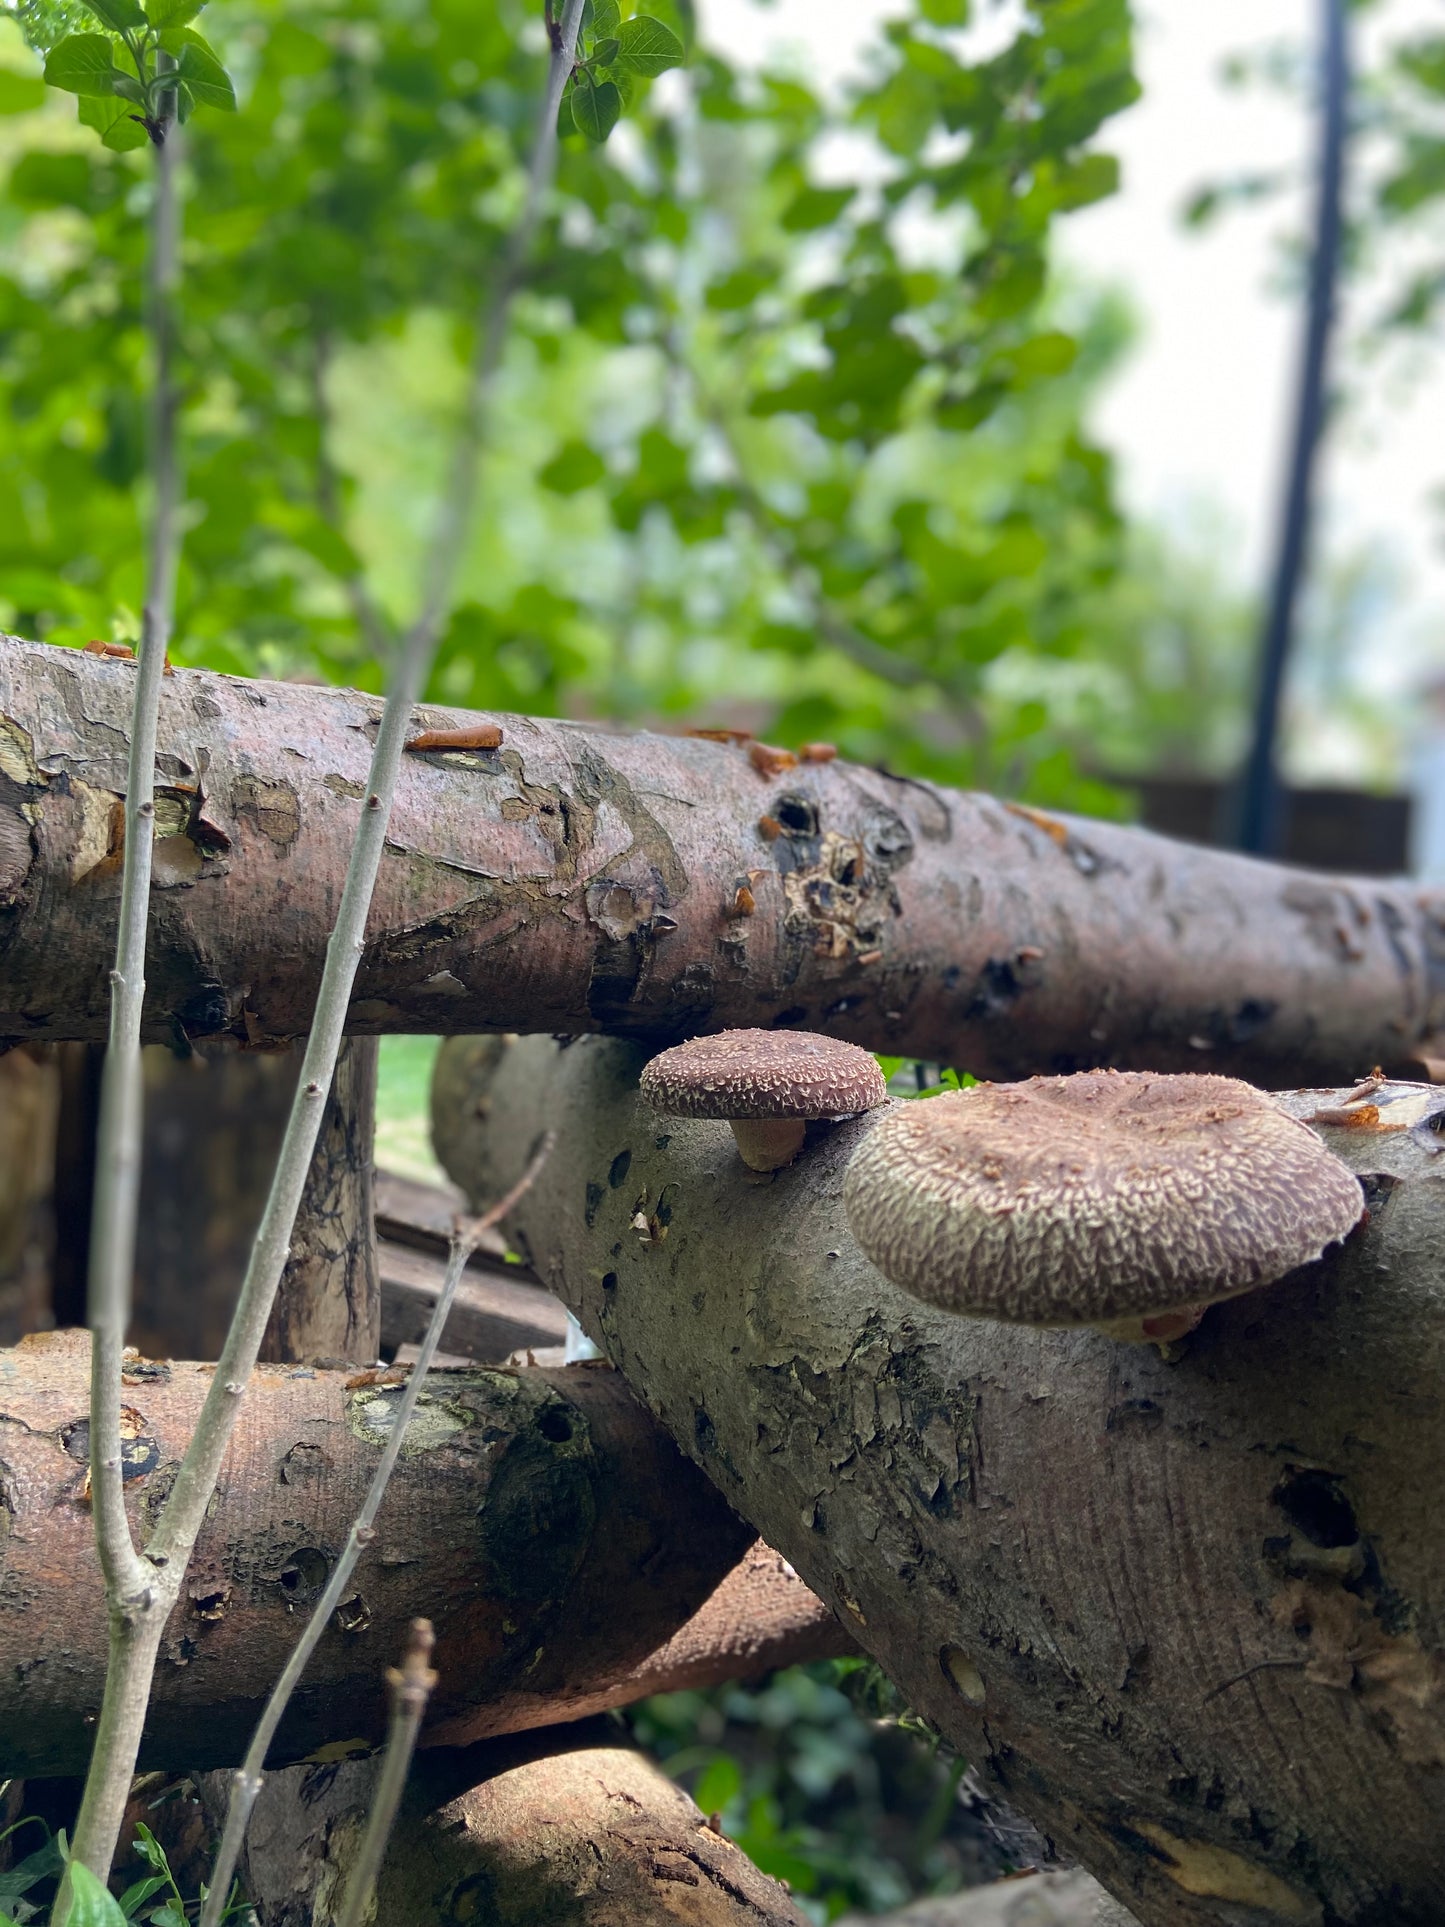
[1201,408]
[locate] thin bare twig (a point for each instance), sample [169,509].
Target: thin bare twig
[137,1642]
[249,1776]
[410,1687]
[128,1578]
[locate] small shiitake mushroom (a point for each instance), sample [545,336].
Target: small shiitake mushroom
[768,1084]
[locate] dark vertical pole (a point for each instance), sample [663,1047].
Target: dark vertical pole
[1256,800]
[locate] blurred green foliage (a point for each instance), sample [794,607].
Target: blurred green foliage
[791,429]
[825,1781]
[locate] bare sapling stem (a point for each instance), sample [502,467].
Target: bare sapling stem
[410,1687]
[128,1578]
[249,1776]
[151,1598]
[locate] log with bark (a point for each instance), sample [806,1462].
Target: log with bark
[575,879]
[570,1826]
[1189,1615]
[1070,1899]
[570,1559]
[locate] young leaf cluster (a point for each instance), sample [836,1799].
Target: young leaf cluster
[147,67]
[154,1899]
[806,476]
[613,54]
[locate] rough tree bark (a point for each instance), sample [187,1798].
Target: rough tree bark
[567,1827]
[540,1519]
[328,1305]
[1190,1615]
[575,880]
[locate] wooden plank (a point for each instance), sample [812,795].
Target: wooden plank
[493,1313]
[412,1213]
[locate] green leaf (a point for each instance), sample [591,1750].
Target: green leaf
[815,207]
[116,124]
[172,13]
[91,1904]
[149,1849]
[19,93]
[605,52]
[574,467]
[945,13]
[207,80]
[606,17]
[135,1897]
[596,108]
[646,47]
[44,1864]
[81,64]
[39,179]
[121,16]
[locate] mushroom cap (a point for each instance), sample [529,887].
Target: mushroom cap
[1108,1194]
[763,1073]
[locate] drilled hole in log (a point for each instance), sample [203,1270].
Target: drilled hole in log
[555,1423]
[304,1573]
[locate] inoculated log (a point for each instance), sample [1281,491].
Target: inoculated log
[566,1826]
[540,1519]
[573,880]
[1189,1616]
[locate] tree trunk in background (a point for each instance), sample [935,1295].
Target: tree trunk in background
[1188,1616]
[540,1518]
[328,1306]
[566,1826]
[575,879]
[76,1123]
[29,1108]
[213,1125]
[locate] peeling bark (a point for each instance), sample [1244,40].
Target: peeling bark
[568,1827]
[1190,1616]
[541,1520]
[574,879]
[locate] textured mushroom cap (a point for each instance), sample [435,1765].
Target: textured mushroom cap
[763,1073]
[1109,1194]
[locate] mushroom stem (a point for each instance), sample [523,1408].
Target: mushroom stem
[768,1143]
[1153,1328]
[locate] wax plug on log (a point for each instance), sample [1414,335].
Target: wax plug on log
[1189,1616]
[573,879]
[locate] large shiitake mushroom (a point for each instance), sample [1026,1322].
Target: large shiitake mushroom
[1121,1199]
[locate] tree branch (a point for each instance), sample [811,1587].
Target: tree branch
[168,1552]
[118,1146]
[466,1234]
[409,1688]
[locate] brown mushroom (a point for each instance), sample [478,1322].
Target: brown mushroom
[1121,1199]
[768,1084]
